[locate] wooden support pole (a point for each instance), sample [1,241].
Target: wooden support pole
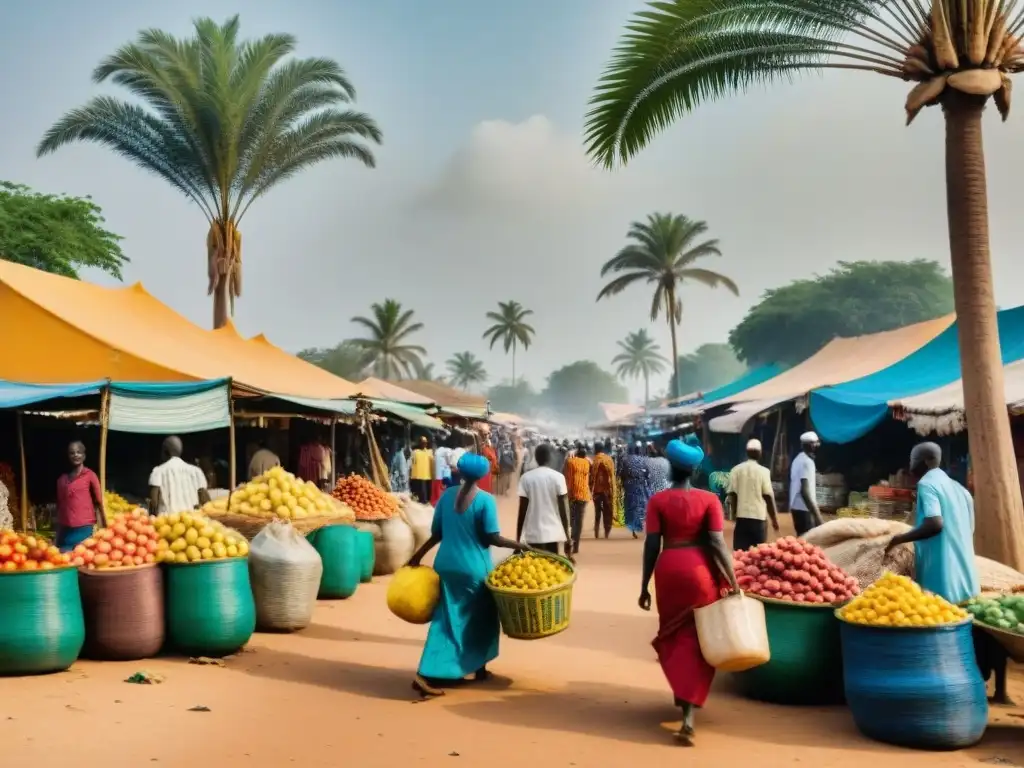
[233,455]
[104,430]
[334,455]
[23,500]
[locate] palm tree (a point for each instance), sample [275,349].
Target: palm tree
[466,369]
[222,120]
[640,356]
[388,351]
[511,329]
[678,54]
[426,373]
[663,254]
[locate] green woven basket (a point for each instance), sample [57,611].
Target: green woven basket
[41,623]
[806,666]
[369,555]
[210,608]
[341,551]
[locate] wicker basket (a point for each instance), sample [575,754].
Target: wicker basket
[533,615]
[250,526]
[124,612]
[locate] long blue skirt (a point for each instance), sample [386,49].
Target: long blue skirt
[636,497]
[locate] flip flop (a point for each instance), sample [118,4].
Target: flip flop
[425,689]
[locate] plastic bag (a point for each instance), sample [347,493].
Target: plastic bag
[414,593]
[285,571]
[395,546]
[733,634]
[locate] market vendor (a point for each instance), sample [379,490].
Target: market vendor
[79,501]
[943,539]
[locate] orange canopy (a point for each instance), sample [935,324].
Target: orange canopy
[62,330]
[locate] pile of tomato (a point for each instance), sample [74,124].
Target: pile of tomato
[24,552]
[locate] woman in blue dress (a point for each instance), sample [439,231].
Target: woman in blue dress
[464,631]
[636,488]
[658,469]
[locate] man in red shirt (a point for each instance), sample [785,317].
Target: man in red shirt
[79,501]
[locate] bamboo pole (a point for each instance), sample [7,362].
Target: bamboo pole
[233,457]
[104,430]
[23,501]
[334,454]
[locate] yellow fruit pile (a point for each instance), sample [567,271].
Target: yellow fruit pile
[187,537]
[898,601]
[277,494]
[529,573]
[114,504]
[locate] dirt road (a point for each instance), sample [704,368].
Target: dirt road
[338,694]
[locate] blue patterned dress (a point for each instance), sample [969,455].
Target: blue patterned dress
[636,490]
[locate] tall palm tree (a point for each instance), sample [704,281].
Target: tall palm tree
[388,351]
[663,253]
[222,120]
[678,54]
[640,357]
[511,329]
[466,369]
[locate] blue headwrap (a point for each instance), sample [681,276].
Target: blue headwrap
[473,466]
[683,455]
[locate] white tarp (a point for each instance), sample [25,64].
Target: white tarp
[734,422]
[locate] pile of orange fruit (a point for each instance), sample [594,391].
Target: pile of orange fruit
[367,500]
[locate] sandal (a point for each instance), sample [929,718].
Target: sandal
[425,689]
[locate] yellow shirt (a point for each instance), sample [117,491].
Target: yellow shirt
[422,462]
[751,482]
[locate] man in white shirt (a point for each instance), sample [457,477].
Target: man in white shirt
[803,485]
[457,452]
[751,499]
[262,461]
[543,506]
[175,485]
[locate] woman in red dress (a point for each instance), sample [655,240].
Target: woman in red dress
[686,553]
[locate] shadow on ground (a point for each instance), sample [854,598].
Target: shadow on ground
[327,632]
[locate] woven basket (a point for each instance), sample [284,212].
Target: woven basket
[210,608]
[124,612]
[250,526]
[41,629]
[534,615]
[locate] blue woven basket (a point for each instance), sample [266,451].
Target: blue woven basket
[914,687]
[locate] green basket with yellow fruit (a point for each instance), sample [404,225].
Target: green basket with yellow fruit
[533,593]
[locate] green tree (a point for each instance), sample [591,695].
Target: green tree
[425,372]
[575,390]
[511,329]
[56,233]
[519,398]
[793,322]
[640,358]
[466,369]
[388,351]
[679,54]
[663,254]
[222,120]
[710,366]
[347,359]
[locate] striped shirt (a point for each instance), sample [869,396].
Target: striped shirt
[577,477]
[179,484]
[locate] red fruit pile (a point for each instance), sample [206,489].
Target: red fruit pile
[791,569]
[128,540]
[20,552]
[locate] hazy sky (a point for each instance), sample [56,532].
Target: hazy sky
[482,191]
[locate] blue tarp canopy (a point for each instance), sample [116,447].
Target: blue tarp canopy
[746,381]
[850,410]
[15,395]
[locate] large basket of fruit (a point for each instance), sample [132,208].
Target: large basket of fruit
[800,589]
[367,501]
[42,629]
[1001,616]
[124,612]
[342,555]
[277,495]
[210,606]
[533,593]
[909,667]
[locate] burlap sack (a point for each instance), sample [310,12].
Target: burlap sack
[996,577]
[857,545]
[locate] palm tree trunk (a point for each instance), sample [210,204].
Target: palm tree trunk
[675,349]
[999,528]
[513,363]
[223,245]
[221,303]
[647,390]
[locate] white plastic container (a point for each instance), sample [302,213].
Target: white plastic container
[732,633]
